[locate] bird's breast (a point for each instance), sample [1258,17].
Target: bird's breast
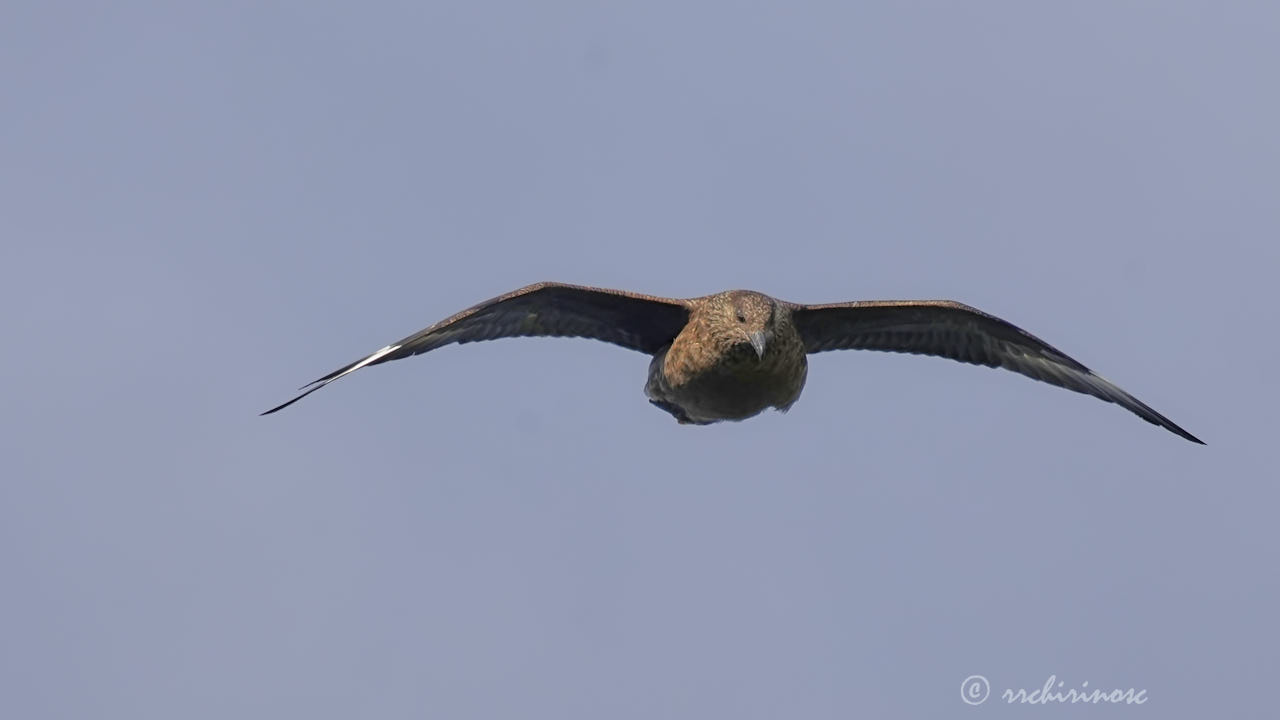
[728,385]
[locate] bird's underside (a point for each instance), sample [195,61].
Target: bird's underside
[731,355]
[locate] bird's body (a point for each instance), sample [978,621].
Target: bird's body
[712,372]
[731,355]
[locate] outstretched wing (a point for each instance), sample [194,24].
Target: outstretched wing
[952,330]
[638,322]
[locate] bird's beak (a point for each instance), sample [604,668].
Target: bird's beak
[759,340]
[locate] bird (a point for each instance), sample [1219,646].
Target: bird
[734,354]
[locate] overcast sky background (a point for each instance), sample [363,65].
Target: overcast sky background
[205,206]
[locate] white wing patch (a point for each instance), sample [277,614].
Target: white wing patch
[384,351]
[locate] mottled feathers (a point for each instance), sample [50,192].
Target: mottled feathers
[703,346]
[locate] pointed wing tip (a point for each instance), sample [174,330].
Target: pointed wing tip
[317,384]
[282,405]
[1173,427]
[1192,438]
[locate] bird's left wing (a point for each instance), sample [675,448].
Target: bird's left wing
[953,330]
[631,320]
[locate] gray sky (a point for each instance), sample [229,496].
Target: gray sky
[204,207]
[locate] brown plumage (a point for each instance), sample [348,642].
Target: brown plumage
[731,355]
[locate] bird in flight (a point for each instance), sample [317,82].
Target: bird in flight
[731,355]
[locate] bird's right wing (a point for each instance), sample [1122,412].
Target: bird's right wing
[631,320]
[943,328]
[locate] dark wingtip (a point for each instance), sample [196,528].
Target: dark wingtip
[315,385]
[285,405]
[277,408]
[1172,427]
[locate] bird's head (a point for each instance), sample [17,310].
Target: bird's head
[747,321]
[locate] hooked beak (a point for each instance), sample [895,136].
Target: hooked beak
[759,340]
